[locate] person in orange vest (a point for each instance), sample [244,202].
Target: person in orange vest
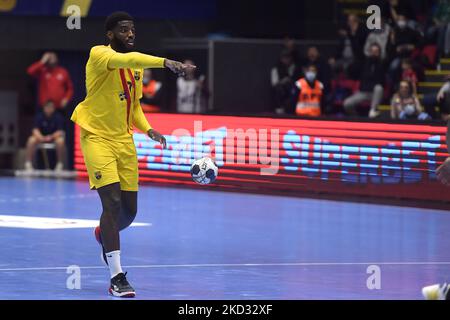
[310,94]
[151,93]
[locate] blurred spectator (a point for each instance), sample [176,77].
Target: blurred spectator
[48,128]
[151,93]
[53,81]
[441,100]
[191,92]
[381,37]
[289,45]
[350,51]
[442,20]
[408,74]
[282,79]
[442,12]
[391,9]
[372,81]
[310,93]
[313,57]
[341,88]
[404,41]
[405,104]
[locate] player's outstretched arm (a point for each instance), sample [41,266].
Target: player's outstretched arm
[134,60]
[443,172]
[138,60]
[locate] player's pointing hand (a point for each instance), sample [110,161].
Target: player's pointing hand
[158,137]
[178,67]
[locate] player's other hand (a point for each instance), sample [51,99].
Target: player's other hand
[178,67]
[443,172]
[158,137]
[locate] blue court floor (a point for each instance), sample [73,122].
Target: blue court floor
[197,244]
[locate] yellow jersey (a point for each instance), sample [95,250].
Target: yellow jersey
[114,87]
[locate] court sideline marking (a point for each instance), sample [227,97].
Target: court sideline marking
[48,198]
[225,265]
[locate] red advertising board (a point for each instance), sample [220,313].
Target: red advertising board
[295,156]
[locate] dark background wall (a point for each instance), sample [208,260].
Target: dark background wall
[36,27]
[274,19]
[249,18]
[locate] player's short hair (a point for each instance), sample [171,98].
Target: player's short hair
[112,20]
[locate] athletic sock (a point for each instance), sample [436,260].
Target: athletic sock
[113,258]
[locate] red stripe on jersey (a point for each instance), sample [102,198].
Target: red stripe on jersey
[127,95]
[133,84]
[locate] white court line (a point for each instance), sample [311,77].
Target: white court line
[227,265]
[49,198]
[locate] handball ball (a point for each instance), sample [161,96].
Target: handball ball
[204,171]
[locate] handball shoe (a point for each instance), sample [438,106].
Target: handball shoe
[437,292]
[120,287]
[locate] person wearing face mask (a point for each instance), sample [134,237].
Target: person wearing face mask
[404,40]
[313,57]
[405,104]
[310,94]
[372,81]
[151,93]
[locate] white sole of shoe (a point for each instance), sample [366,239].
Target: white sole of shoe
[431,292]
[129,294]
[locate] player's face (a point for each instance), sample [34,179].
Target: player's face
[124,34]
